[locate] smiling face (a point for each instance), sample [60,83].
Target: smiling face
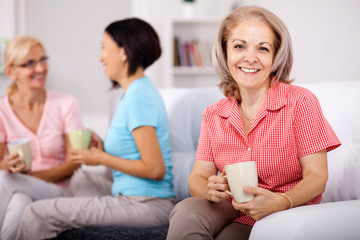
[113,58]
[31,77]
[250,54]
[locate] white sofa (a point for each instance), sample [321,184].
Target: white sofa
[338,216]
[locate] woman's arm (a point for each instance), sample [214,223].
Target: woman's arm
[3,164]
[204,183]
[315,175]
[151,165]
[59,173]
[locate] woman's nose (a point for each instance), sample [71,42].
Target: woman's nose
[40,67]
[250,56]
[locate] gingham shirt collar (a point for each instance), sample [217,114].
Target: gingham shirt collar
[275,100]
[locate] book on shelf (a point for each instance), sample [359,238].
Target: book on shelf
[194,53]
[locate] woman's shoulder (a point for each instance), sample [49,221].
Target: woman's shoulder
[60,98]
[298,96]
[220,108]
[299,91]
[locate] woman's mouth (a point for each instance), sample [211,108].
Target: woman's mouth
[38,76]
[249,70]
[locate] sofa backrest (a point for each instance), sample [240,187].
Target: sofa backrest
[340,102]
[184,107]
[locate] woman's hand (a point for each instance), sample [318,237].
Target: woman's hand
[13,163]
[90,156]
[96,141]
[217,185]
[264,203]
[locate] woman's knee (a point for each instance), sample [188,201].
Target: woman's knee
[34,211]
[189,212]
[187,207]
[18,202]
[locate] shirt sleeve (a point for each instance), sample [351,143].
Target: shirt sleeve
[71,114]
[312,131]
[141,112]
[204,151]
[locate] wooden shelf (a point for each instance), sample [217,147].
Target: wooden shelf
[193,70]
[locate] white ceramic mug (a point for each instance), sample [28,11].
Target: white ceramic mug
[80,138]
[23,148]
[240,175]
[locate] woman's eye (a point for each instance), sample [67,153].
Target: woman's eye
[238,46]
[264,49]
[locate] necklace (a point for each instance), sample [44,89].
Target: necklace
[242,113]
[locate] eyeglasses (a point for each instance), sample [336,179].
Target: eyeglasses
[33,63]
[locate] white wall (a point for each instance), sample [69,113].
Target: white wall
[7,30]
[72,32]
[325,35]
[7,18]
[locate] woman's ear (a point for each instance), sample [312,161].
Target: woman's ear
[123,54]
[10,72]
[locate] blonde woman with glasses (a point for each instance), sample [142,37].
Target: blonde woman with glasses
[44,117]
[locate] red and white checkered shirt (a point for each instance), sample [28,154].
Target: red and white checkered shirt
[288,126]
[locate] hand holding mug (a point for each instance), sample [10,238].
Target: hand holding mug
[217,187]
[13,163]
[22,149]
[90,156]
[263,204]
[96,141]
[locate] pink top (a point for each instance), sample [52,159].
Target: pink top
[289,125]
[60,115]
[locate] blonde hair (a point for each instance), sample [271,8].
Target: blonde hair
[17,49]
[283,58]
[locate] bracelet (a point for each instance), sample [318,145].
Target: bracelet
[291,202]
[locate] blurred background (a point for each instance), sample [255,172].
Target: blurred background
[325,36]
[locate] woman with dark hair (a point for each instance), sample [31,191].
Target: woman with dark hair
[263,118]
[137,148]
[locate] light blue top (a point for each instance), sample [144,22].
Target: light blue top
[141,105]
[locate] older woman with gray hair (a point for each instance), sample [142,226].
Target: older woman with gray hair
[263,118]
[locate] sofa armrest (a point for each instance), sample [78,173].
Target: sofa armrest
[335,220]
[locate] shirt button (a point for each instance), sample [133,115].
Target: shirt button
[249,149]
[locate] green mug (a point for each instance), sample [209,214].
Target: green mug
[80,138]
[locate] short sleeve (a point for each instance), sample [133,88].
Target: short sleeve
[141,112]
[71,113]
[204,151]
[312,131]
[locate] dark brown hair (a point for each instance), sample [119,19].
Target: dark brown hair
[140,41]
